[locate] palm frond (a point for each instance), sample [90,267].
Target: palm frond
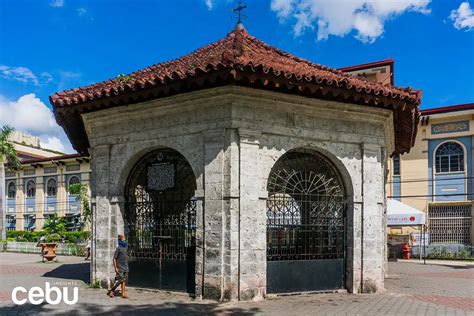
[5,132]
[11,156]
[7,150]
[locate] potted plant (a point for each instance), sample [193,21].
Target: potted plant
[50,245]
[54,227]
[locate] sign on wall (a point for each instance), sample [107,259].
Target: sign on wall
[161,176]
[451,127]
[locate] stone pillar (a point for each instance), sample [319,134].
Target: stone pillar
[252,252]
[214,221]
[231,215]
[372,219]
[102,238]
[199,268]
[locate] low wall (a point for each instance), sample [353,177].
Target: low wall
[31,247]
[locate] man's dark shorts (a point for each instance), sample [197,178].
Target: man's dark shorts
[121,277]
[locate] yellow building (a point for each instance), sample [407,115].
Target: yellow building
[40,189]
[436,176]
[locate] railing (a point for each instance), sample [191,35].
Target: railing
[31,247]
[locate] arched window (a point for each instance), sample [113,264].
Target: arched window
[449,157]
[51,188]
[11,190]
[73,180]
[30,189]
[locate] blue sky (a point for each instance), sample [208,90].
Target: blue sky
[52,45]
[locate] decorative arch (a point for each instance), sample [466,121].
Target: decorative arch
[30,188]
[160,221]
[306,223]
[449,157]
[73,180]
[11,190]
[51,187]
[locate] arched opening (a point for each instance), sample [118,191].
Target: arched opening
[306,224]
[160,222]
[11,191]
[449,158]
[51,188]
[73,180]
[30,189]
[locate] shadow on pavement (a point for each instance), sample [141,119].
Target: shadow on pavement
[163,309]
[71,271]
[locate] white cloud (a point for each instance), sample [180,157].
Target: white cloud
[57,3]
[339,18]
[209,4]
[463,17]
[30,114]
[283,8]
[24,75]
[20,74]
[81,11]
[52,143]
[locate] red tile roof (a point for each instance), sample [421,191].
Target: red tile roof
[373,64]
[238,59]
[448,109]
[54,158]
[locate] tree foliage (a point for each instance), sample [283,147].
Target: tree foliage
[7,151]
[82,195]
[55,225]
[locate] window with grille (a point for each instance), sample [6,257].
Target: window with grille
[11,190]
[30,189]
[449,157]
[51,188]
[450,224]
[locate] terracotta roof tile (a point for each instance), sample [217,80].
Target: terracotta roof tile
[238,58]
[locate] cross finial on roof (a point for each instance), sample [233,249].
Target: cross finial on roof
[238,11]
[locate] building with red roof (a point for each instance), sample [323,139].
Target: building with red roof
[240,170]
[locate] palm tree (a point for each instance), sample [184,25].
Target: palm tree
[8,157]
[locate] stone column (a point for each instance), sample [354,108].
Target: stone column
[252,252]
[199,268]
[231,215]
[213,223]
[372,219]
[102,239]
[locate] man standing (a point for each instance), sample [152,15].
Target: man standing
[120,266]
[88,249]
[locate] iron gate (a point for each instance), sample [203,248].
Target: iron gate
[161,222]
[305,225]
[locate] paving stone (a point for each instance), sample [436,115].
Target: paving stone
[411,289]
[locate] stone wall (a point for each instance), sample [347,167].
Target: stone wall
[232,136]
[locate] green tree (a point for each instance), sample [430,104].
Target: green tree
[8,158]
[55,225]
[82,194]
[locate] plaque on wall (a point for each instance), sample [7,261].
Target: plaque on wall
[161,176]
[451,127]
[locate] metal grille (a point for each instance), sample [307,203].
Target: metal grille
[450,224]
[449,158]
[305,209]
[161,213]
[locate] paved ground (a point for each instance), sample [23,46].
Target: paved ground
[441,288]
